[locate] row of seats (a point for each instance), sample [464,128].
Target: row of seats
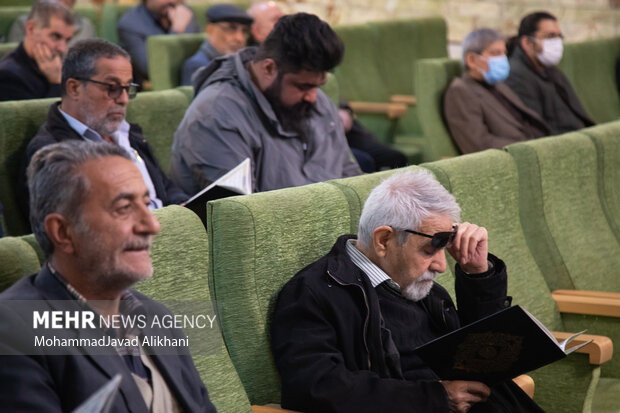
[158,113]
[550,206]
[103,18]
[589,65]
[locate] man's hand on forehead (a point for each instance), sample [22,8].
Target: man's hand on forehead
[470,248]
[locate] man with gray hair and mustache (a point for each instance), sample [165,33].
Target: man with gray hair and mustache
[90,215]
[97,84]
[345,327]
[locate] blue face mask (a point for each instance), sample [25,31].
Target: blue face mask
[498,69]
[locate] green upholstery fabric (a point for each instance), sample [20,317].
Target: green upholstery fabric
[20,121]
[110,13]
[380,61]
[432,78]
[166,55]
[256,244]
[569,209]
[607,144]
[590,67]
[188,91]
[7,48]
[159,114]
[180,267]
[331,88]
[17,259]
[8,14]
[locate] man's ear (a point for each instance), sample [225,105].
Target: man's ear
[71,88]
[382,237]
[470,60]
[209,29]
[30,26]
[60,233]
[526,43]
[269,69]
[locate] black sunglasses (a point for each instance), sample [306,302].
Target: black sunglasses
[439,240]
[114,90]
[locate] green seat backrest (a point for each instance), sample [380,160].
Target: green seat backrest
[159,114]
[256,244]
[20,121]
[400,44]
[432,78]
[7,17]
[110,13]
[18,259]
[331,88]
[564,221]
[590,67]
[6,48]
[607,144]
[180,268]
[166,55]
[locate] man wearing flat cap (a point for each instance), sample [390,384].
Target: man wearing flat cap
[228,29]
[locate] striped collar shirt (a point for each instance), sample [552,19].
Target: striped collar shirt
[375,274]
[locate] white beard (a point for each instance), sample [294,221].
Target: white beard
[420,287]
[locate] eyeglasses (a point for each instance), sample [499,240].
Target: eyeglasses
[114,90]
[439,240]
[231,27]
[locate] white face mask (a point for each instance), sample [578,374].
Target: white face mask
[552,50]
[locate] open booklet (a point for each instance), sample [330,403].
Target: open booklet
[237,181]
[499,347]
[101,401]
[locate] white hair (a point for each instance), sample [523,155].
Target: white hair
[403,201]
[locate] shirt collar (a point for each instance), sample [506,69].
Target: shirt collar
[83,130]
[375,274]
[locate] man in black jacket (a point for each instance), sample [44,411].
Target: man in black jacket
[96,88]
[345,327]
[33,69]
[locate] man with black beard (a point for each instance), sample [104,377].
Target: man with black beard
[264,104]
[96,89]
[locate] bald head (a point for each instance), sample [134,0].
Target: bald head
[265,15]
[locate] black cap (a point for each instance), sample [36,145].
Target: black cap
[227,13]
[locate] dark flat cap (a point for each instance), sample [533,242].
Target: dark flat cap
[227,13]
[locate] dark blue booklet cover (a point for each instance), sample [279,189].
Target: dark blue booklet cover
[498,347]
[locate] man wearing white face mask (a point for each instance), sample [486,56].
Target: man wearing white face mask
[481,111]
[534,77]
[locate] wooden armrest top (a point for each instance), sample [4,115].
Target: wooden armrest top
[392,110]
[270,408]
[526,383]
[406,99]
[587,302]
[599,350]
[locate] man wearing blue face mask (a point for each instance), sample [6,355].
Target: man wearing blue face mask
[481,111]
[534,77]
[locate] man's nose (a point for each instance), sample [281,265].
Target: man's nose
[310,95]
[123,98]
[147,223]
[62,47]
[439,263]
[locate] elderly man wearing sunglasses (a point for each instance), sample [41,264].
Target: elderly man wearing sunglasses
[96,89]
[345,327]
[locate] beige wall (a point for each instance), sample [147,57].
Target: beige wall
[579,19]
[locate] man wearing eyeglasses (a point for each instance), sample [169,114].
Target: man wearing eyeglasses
[534,77]
[228,29]
[96,88]
[345,327]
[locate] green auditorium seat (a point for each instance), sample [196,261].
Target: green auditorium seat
[166,55]
[379,67]
[256,244]
[607,144]
[590,67]
[432,78]
[486,185]
[562,214]
[110,13]
[20,121]
[159,114]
